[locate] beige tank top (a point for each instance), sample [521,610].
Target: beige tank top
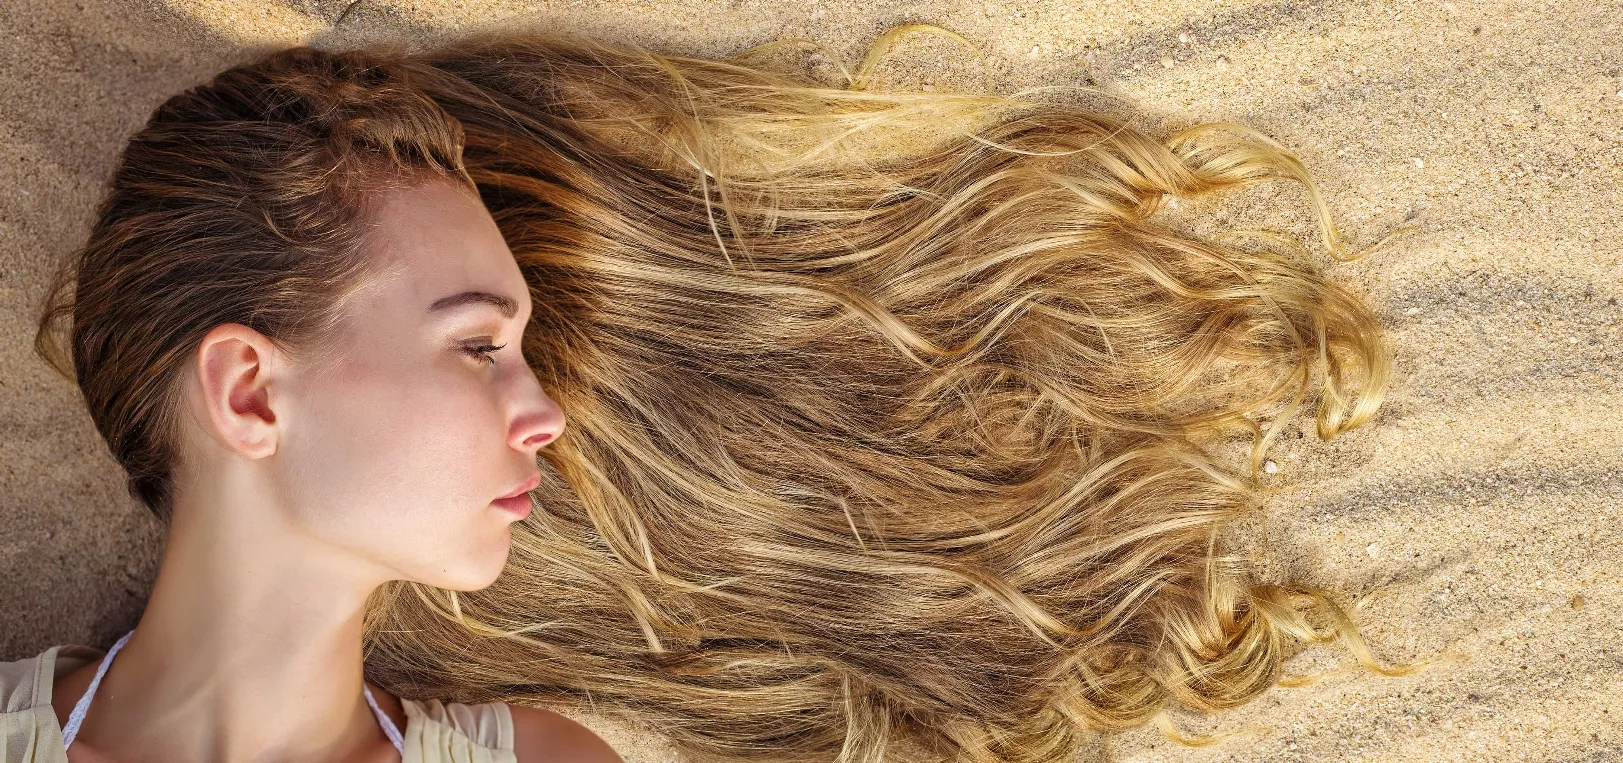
[436,732]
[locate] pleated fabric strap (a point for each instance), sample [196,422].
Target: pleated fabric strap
[83,705]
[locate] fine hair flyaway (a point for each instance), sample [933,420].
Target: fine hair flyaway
[903,425]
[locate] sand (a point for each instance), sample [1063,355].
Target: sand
[1478,515]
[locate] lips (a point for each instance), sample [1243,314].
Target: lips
[517,500]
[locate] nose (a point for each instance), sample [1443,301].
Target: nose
[535,419]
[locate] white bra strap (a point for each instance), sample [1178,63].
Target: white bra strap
[389,729]
[83,705]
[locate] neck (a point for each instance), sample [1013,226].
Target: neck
[250,648]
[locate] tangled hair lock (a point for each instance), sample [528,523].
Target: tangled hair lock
[872,447]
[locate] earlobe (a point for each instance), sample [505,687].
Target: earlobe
[235,368]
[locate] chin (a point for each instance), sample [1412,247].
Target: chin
[475,580]
[481,573]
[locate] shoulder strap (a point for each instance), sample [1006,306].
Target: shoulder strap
[389,729]
[83,706]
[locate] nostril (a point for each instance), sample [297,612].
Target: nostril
[537,440]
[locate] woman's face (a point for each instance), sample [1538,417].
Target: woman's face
[399,444]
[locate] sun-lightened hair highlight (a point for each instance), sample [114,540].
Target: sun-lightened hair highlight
[876,439]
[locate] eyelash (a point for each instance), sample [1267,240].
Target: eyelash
[482,351]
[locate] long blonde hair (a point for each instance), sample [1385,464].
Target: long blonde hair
[894,415]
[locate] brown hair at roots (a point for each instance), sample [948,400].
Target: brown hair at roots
[868,442]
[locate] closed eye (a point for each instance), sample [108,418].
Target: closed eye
[482,350]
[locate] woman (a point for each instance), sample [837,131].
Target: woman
[900,429]
[298,328]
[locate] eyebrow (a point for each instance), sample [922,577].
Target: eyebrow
[508,307]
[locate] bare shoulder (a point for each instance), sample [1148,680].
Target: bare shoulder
[543,736]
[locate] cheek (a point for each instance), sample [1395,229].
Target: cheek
[402,460]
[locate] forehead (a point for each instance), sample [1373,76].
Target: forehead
[436,238]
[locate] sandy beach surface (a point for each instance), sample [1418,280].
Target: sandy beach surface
[1475,520]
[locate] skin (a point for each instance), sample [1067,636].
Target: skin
[305,481]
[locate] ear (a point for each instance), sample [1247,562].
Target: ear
[235,368]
